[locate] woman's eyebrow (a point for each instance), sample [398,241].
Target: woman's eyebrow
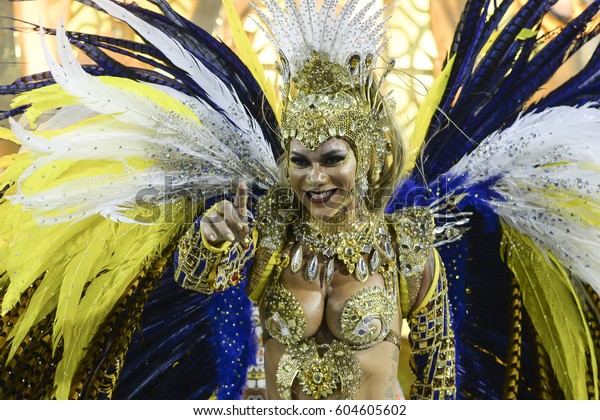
[298,154]
[334,153]
[324,155]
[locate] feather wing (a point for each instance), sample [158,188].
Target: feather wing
[163,135]
[101,142]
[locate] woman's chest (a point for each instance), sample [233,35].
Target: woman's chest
[330,302]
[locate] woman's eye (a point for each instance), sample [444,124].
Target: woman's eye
[334,160]
[298,161]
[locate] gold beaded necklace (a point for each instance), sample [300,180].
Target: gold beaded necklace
[347,237]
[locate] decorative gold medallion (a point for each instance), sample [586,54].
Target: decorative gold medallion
[320,369]
[319,377]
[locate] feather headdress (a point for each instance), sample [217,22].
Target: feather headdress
[328,58]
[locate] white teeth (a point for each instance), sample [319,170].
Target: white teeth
[322,195]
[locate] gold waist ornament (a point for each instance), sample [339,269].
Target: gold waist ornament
[321,369]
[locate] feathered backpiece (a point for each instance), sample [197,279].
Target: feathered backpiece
[526,174]
[160,142]
[114,164]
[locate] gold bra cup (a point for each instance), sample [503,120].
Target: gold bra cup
[284,317]
[360,313]
[285,321]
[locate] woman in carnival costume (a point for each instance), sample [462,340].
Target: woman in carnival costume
[122,170]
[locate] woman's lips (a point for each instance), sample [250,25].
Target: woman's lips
[320,197]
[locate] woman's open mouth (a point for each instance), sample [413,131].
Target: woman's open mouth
[320,197]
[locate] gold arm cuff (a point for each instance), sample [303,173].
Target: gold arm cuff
[201,269]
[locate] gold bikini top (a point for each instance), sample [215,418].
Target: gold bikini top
[364,246]
[285,320]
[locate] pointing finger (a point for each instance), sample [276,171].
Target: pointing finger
[241,200]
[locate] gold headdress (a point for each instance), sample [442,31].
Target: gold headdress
[329,86]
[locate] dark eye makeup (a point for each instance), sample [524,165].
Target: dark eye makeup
[299,161]
[333,159]
[328,159]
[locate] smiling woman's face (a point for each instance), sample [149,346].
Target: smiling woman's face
[323,179]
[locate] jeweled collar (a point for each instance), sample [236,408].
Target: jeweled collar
[346,237]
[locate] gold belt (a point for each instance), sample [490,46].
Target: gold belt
[320,368]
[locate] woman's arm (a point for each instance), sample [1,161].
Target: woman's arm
[431,336]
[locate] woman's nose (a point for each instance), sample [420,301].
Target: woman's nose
[316,176]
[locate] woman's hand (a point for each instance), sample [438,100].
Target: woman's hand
[227,221]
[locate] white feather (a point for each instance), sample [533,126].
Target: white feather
[299,31]
[113,124]
[546,163]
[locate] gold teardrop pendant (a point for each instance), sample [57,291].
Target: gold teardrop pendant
[312,269]
[296,262]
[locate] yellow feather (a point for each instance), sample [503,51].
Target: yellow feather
[248,55]
[106,254]
[63,171]
[51,245]
[82,267]
[41,100]
[525,34]
[426,111]
[159,97]
[7,134]
[41,305]
[83,124]
[54,97]
[124,253]
[555,312]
